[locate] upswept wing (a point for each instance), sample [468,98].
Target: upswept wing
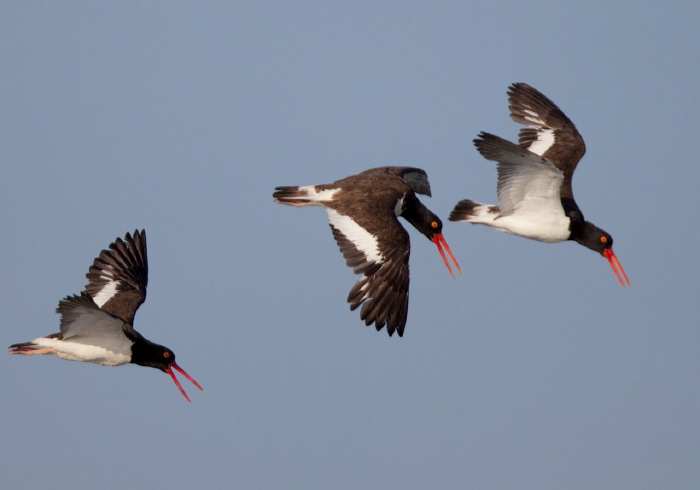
[119,276]
[550,134]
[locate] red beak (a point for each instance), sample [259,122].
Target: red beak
[177,383]
[616,267]
[440,242]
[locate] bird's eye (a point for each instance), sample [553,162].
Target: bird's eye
[166,354]
[434,224]
[603,239]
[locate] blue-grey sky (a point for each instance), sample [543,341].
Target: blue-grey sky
[533,370]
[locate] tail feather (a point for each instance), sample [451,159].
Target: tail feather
[289,192]
[29,347]
[293,196]
[475,212]
[23,347]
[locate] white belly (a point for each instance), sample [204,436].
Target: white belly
[544,228]
[74,351]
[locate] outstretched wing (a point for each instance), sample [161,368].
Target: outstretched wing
[551,133]
[383,290]
[119,276]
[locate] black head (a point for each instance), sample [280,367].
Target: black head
[427,222]
[599,240]
[590,236]
[146,353]
[430,225]
[422,218]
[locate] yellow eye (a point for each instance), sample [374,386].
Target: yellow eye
[166,354]
[603,239]
[434,224]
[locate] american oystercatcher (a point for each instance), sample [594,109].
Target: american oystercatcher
[363,213]
[97,326]
[534,179]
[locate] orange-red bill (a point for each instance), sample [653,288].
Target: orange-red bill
[439,240]
[177,383]
[616,267]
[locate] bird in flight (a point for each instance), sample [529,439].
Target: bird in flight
[535,196]
[363,212]
[97,326]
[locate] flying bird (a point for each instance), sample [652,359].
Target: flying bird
[363,213]
[535,197]
[97,326]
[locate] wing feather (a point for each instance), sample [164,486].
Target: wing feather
[383,290]
[119,276]
[524,178]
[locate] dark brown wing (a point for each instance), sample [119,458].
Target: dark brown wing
[551,134]
[364,223]
[416,178]
[383,290]
[119,276]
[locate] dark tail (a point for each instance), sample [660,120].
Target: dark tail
[27,347]
[291,195]
[464,210]
[23,347]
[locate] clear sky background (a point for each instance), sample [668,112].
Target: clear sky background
[533,370]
